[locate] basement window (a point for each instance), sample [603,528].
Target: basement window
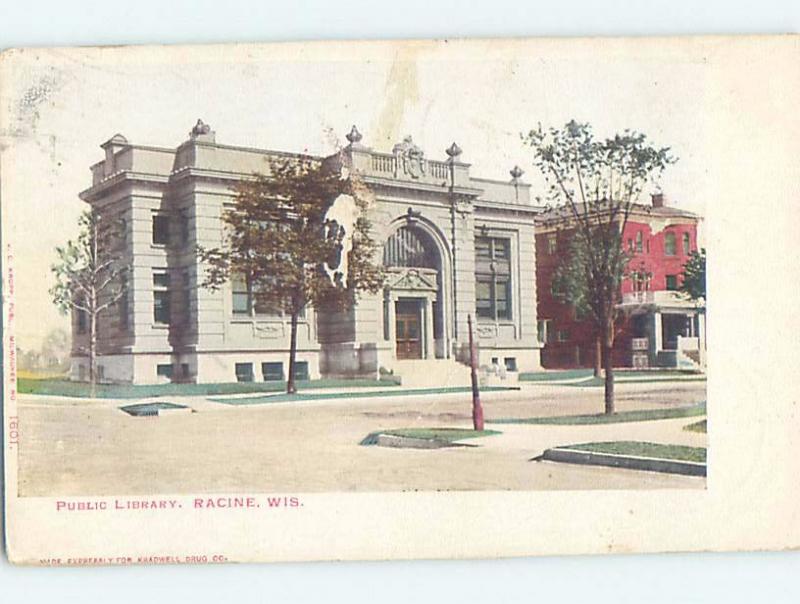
[244,372]
[272,372]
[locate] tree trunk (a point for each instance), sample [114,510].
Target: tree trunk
[93,352]
[291,388]
[608,365]
[477,409]
[598,357]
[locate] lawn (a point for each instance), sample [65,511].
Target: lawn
[555,375]
[643,415]
[637,377]
[643,449]
[586,377]
[62,387]
[701,426]
[449,435]
[316,396]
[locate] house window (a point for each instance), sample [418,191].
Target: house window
[639,243]
[552,243]
[185,371]
[563,335]
[630,245]
[493,278]
[686,244]
[272,372]
[672,283]
[161,297]
[669,244]
[543,330]
[511,363]
[164,371]
[244,372]
[160,229]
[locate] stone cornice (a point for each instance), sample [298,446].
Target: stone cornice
[117,178]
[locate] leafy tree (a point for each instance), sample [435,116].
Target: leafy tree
[694,276]
[596,184]
[282,243]
[90,275]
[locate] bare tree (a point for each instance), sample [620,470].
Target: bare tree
[90,275]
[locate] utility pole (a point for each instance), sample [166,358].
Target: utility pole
[477,409]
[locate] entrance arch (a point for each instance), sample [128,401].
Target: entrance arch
[416,294]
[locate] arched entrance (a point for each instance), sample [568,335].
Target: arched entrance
[414,297]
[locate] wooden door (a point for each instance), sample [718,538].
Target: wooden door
[408,336]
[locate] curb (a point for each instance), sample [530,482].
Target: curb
[630,462]
[408,442]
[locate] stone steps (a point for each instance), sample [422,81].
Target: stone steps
[432,373]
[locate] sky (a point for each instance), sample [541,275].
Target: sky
[59,105]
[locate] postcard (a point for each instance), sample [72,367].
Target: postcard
[399,299]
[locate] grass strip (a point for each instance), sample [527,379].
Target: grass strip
[312,396]
[643,449]
[62,387]
[641,415]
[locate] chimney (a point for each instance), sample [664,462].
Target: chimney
[659,200]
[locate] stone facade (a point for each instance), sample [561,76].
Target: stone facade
[454,245]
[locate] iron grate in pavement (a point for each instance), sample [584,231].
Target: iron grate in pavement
[151,409]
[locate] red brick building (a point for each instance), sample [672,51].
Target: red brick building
[658,327]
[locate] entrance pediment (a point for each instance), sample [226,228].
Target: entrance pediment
[412,279]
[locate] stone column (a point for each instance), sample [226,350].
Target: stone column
[430,349]
[655,341]
[701,337]
[392,325]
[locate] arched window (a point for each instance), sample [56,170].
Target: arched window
[410,247]
[669,243]
[686,244]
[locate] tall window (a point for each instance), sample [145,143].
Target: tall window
[639,243]
[493,278]
[552,243]
[686,244]
[183,221]
[82,321]
[160,229]
[669,243]
[122,306]
[248,303]
[241,297]
[161,297]
[672,282]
